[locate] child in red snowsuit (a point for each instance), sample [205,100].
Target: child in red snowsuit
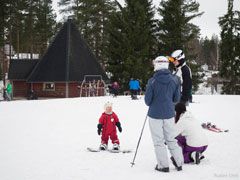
[107,126]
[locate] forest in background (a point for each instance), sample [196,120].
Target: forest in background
[125,39]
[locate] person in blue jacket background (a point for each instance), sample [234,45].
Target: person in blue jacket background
[134,87]
[161,94]
[131,84]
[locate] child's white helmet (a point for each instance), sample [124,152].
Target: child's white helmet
[161,62]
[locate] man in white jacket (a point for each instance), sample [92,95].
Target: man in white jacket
[189,134]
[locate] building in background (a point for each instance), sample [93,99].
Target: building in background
[67,69]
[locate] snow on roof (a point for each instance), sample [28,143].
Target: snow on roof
[26,56]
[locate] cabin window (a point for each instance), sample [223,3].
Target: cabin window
[49,86]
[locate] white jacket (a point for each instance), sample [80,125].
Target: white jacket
[178,71]
[189,127]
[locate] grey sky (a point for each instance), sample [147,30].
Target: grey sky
[208,23]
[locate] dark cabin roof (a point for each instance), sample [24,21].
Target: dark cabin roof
[67,59]
[21,68]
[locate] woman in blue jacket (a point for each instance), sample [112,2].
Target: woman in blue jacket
[161,94]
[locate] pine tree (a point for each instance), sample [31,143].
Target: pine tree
[91,17]
[230,54]
[3,22]
[175,30]
[131,42]
[45,26]
[26,25]
[209,52]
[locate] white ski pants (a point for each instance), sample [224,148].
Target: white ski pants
[162,130]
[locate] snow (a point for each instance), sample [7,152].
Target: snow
[25,56]
[205,89]
[47,140]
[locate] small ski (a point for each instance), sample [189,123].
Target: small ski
[109,150]
[93,150]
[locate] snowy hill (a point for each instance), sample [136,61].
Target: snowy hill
[47,140]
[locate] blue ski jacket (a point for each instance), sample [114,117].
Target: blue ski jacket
[161,94]
[134,85]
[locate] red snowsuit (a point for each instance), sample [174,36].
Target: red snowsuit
[108,122]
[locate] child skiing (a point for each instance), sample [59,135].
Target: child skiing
[107,126]
[190,135]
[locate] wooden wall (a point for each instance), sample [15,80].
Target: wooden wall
[20,89]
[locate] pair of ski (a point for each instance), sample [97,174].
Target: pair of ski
[214,128]
[108,150]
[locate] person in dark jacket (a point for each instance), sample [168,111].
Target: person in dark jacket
[115,88]
[182,71]
[161,94]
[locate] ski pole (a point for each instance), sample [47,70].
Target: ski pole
[139,142]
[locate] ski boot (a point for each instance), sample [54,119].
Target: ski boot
[196,156]
[103,147]
[116,147]
[162,169]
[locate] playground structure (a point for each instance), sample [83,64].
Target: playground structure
[93,85]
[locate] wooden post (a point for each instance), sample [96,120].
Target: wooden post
[67,90]
[68,55]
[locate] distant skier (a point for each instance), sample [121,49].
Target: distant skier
[9,91]
[31,94]
[92,89]
[107,126]
[191,97]
[162,91]
[134,88]
[190,135]
[115,88]
[131,84]
[184,73]
[139,89]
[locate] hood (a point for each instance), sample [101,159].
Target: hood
[163,76]
[180,62]
[187,116]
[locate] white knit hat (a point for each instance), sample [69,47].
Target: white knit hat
[106,105]
[161,62]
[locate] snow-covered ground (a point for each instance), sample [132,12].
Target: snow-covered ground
[205,89]
[47,140]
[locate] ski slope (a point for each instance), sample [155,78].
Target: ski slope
[47,140]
